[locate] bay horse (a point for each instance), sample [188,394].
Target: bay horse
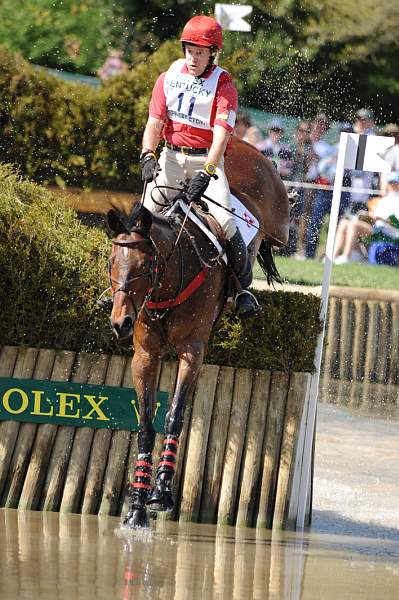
[169,288]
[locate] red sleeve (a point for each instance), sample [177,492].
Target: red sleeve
[158,101]
[226,102]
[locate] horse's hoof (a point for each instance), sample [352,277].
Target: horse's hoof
[161,498]
[136,518]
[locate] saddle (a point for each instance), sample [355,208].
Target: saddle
[201,219]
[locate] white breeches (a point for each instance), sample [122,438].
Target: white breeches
[177,167]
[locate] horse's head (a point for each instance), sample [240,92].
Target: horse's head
[132,266]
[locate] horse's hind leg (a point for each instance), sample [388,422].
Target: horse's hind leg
[161,497]
[144,369]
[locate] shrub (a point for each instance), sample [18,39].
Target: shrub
[53,269]
[72,134]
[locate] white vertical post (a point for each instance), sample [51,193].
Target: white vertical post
[314,384]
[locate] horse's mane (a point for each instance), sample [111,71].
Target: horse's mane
[134,219]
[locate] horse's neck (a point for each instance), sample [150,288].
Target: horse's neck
[162,235]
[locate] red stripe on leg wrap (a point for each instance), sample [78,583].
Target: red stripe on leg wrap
[137,484]
[170,440]
[142,474]
[168,453]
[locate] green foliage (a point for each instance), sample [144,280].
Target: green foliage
[74,35]
[72,134]
[356,274]
[54,268]
[283,337]
[300,57]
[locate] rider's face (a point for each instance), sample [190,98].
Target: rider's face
[197,58]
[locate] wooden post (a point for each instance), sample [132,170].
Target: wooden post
[253,457]
[293,416]
[39,461]
[384,346]
[272,442]
[54,482]
[359,337]
[82,441]
[24,367]
[197,443]
[330,352]
[99,451]
[26,436]
[216,445]
[371,346]
[394,363]
[345,342]
[234,446]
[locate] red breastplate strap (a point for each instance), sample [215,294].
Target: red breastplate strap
[186,293]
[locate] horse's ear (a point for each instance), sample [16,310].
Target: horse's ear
[115,222]
[145,219]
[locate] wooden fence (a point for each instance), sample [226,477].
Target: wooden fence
[362,347]
[240,453]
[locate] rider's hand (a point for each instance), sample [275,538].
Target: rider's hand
[149,166]
[197,186]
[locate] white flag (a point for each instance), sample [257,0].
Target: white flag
[230,16]
[365,152]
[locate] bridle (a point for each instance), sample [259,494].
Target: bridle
[152,274]
[157,267]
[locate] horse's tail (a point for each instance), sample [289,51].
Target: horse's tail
[267,264]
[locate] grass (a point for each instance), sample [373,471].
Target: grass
[310,272]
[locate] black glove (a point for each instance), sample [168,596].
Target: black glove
[149,166]
[197,186]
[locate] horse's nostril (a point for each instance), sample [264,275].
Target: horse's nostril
[124,327]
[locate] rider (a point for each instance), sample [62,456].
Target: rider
[193,108]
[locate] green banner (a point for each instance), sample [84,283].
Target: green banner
[80,405]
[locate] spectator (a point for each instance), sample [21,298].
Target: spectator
[350,231]
[113,65]
[363,124]
[319,149]
[325,175]
[253,136]
[391,155]
[276,150]
[243,122]
[301,155]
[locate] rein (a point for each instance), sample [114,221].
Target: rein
[154,275]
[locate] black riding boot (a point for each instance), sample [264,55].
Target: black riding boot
[246,305]
[161,497]
[137,515]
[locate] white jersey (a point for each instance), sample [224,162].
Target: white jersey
[189,99]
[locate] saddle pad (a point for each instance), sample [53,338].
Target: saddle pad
[246,222]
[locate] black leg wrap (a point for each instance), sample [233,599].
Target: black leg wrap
[161,497]
[141,486]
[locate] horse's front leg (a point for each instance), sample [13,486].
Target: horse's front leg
[144,371]
[190,361]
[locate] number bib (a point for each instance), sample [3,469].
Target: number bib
[189,99]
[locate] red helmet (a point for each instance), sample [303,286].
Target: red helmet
[203,31]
